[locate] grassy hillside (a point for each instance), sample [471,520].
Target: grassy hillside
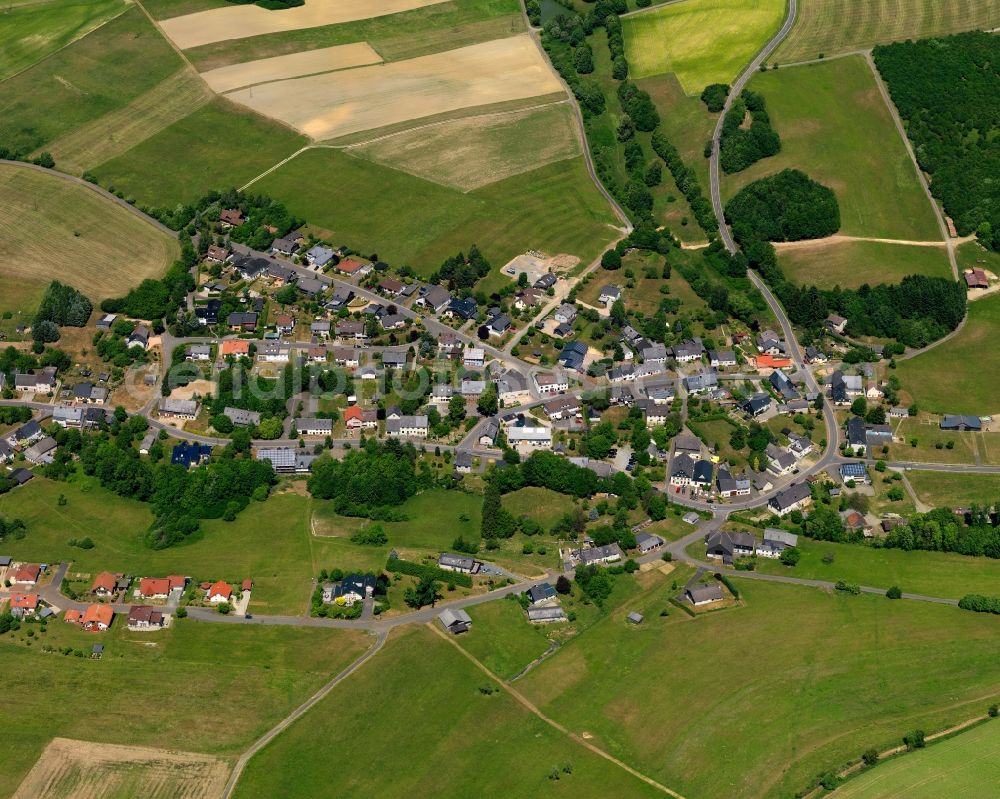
[827,27]
[953,490]
[93,76]
[849,264]
[226,685]
[53,229]
[794,683]
[31,31]
[408,220]
[710,40]
[835,126]
[419,701]
[219,146]
[958,376]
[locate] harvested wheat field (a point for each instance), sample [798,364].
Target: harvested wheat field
[119,131]
[71,769]
[282,67]
[241,21]
[336,104]
[53,229]
[476,151]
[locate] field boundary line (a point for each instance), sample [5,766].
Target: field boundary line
[810,61]
[532,708]
[938,212]
[649,9]
[296,714]
[76,39]
[280,163]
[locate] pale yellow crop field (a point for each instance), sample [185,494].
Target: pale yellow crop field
[241,21]
[340,103]
[282,67]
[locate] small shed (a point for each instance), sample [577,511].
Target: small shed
[634,618]
[97,652]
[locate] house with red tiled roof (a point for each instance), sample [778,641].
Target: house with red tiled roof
[766,361]
[247,584]
[97,618]
[352,267]
[160,587]
[22,605]
[104,584]
[27,574]
[355,417]
[234,346]
[72,616]
[219,592]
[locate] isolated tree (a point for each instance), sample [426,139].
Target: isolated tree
[563,585]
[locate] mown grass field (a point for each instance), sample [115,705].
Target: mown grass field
[34,30]
[942,574]
[942,489]
[701,41]
[835,126]
[502,638]
[52,229]
[470,153]
[420,700]
[555,208]
[850,264]
[225,685]
[408,34]
[268,542]
[817,678]
[971,255]
[928,434]
[827,27]
[100,73]
[959,376]
[964,765]
[219,146]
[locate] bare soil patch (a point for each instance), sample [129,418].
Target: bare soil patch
[239,22]
[199,387]
[282,67]
[71,769]
[336,104]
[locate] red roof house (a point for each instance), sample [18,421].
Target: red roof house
[97,618]
[160,587]
[27,573]
[72,616]
[23,604]
[976,279]
[220,592]
[350,266]
[104,584]
[233,346]
[772,362]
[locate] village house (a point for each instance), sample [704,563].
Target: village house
[792,498]
[573,355]
[609,294]
[407,426]
[756,404]
[836,324]
[97,618]
[775,542]
[23,605]
[353,588]
[217,254]
[178,408]
[273,352]
[42,451]
[349,357]
[357,419]
[199,352]
[231,217]
[538,594]
[219,592]
[474,358]
[319,256]
[609,553]
[530,437]
[104,585]
[320,328]
[435,298]
[307,426]
[241,417]
[706,380]
[550,383]
[159,587]
[455,621]
[512,388]
[646,542]
[548,614]
[144,617]
[234,347]
[699,595]
[189,453]
[458,563]
[242,321]
[721,359]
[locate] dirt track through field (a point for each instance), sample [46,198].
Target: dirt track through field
[818,244]
[337,104]
[119,131]
[241,21]
[69,769]
[296,65]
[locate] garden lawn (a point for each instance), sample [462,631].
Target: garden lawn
[97,74]
[941,489]
[941,574]
[268,543]
[835,126]
[412,221]
[431,711]
[34,30]
[855,671]
[211,688]
[959,375]
[218,147]
[851,264]
[929,434]
[541,504]
[827,27]
[967,764]
[701,41]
